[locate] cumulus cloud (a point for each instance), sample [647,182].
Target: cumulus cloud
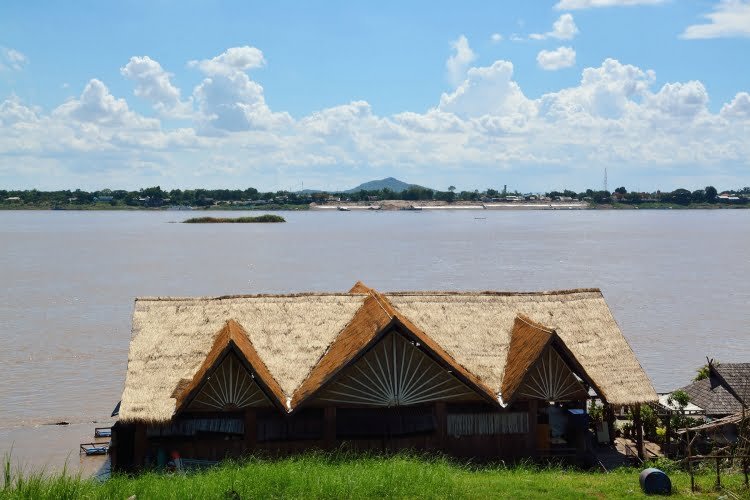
[561,57]
[12,60]
[496,38]
[154,84]
[739,108]
[98,106]
[231,61]
[730,18]
[563,29]
[487,91]
[614,115]
[609,91]
[459,61]
[681,100]
[229,101]
[588,4]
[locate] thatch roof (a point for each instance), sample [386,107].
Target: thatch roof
[301,341]
[475,328]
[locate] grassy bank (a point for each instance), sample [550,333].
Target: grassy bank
[337,476]
[231,220]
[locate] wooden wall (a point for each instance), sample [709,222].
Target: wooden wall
[319,428]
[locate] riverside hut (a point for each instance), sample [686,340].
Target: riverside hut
[484,376]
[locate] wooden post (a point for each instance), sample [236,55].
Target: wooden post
[690,459]
[140,447]
[638,430]
[668,433]
[441,415]
[251,430]
[329,429]
[718,473]
[609,416]
[531,441]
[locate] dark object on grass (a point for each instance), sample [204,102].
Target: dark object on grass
[655,482]
[213,220]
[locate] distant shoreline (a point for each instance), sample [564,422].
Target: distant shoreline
[388,205]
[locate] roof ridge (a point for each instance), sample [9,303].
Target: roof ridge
[167,298]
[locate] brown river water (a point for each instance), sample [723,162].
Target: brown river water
[677,283]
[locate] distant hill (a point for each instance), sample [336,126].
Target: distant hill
[394,185]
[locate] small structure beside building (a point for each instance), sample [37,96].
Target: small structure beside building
[724,392]
[485,376]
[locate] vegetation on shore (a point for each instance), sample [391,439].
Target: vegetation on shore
[220,220]
[252,199]
[339,475]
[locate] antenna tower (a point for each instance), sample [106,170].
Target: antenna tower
[605,179]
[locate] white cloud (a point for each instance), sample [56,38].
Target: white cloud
[12,60]
[459,61]
[561,57]
[496,38]
[232,60]
[739,108]
[682,100]
[97,106]
[609,91]
[488,91]
[730,18]
[153,83]
[587,4]
[563,29]
[484,128]
[229,101]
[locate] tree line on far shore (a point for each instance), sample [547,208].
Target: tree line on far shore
[154,197]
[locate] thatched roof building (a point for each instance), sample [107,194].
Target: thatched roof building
[294,336]
[290,353]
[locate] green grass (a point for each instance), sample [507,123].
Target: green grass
[341,476]
[215,220]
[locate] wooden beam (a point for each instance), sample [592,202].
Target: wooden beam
[638,430]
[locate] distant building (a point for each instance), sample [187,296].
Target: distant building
[13,198]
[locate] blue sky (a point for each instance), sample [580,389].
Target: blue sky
[536,95]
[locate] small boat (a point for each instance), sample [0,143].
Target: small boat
[102,432]
[343,209]
[374,207]
[412,208]
[94,448]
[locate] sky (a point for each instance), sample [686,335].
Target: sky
[287,95]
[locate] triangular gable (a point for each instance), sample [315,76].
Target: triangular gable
[231,375]
[372,321]
[535,368]
[395,372]
[361,332]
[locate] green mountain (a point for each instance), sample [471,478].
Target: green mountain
[394,185]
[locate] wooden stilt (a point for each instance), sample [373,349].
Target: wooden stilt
[718,473]
[251,430]
[441,414]
[329,432]
[531,442]
[638,430]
